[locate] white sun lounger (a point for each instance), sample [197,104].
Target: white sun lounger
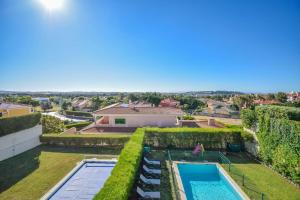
[151,171]
[151,162]
[148,195]
[150,180]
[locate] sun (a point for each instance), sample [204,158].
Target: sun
[52,5]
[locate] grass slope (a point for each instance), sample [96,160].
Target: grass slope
[31,174]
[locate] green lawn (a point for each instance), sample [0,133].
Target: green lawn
[261,179]
[258,178]
[31,174]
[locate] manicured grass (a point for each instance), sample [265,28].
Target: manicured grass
[261,179]
[31,174]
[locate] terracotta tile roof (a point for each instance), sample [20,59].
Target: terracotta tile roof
[11,106]
[140,110]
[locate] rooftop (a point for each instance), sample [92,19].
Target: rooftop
[139,110]
[11,106]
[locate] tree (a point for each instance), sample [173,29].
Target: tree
[132,97]
[281,97]
[270,96]
[65,105]
[52,124]
[154,100]
[96,103]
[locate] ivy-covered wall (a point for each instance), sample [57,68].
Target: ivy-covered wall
[279,138]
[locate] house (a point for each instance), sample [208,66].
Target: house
[82,104]
[169,103]
[12,110]
[123,115]
[293,96]
[265,102]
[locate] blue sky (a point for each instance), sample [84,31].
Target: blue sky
[157,45]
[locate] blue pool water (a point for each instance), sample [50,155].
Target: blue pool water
[205,181]
[85,182]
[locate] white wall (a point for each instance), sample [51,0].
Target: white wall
[18,142]
[145,120]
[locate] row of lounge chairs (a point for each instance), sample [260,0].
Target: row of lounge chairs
[151,180]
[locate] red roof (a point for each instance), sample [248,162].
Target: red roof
[140,110]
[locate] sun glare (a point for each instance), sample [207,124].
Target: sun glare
[52,5]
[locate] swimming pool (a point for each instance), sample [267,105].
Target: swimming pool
[83,182]
[206,181]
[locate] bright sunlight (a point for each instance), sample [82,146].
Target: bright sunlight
[52,5]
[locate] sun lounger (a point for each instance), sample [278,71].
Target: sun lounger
[151,162]
[150,181]
[151,171]
[148,195]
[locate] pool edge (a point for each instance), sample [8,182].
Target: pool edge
[58,185]
[223,171]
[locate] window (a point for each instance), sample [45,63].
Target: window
[120,121]
[1,114]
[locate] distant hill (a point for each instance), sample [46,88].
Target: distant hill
[81,93]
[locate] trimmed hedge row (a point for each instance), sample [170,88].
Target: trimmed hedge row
[188,137]
[278,112]
[85,140]
[118,186]
[78,125]
[13,124]
[78,113]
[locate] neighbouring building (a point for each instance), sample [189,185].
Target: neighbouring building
[82,104]
[11,110]
[293,96]
[169,103]
[124,115]
[265,102]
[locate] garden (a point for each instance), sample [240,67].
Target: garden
[32,173]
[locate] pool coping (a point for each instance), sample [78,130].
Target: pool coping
[58,185]
[182,193]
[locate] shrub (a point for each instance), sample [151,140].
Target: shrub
[112,140]
[189,137]
[78,113]
[52,124]
[78,125]
[248,117]
[13,124]
[118,186]
[188,117]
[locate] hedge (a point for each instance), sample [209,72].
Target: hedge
[279,112]
[279,139]
[118,186]
[184,138]
[78,125]
[13,124]
[78,113]
[249,119]
[111,140]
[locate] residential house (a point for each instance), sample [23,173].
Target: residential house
[12,110]
[168,102]
[82,104]
[123,115]
[293,96]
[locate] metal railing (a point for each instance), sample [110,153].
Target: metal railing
[174,182]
